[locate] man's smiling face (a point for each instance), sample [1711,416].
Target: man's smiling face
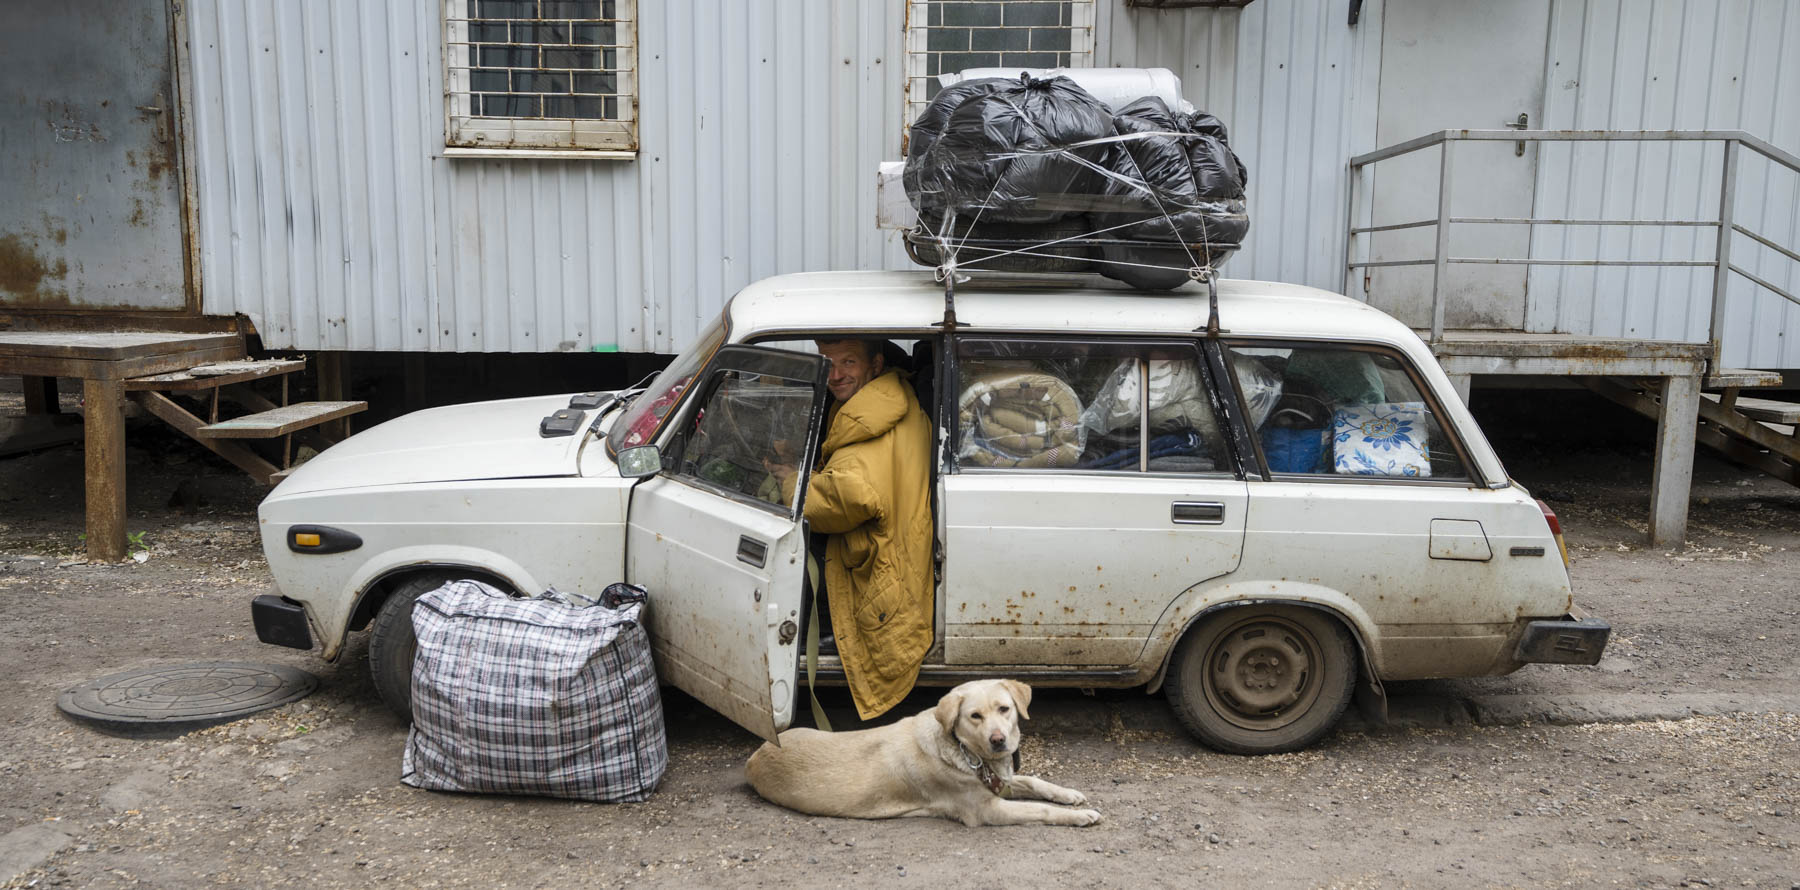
[852,367]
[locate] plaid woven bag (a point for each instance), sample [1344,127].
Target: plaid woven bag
[543,696]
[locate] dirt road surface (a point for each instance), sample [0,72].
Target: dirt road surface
[1674,762]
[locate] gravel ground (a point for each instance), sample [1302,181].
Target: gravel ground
[1463,794]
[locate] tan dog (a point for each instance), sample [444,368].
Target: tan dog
[953,761]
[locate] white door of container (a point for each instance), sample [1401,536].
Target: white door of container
[717,540]
[1457,66]
[90,198]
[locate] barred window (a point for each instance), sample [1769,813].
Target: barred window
[946,36]
[537,75]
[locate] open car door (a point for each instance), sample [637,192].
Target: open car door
[717,539]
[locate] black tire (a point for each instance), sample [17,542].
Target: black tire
[1262,679]
[392,644]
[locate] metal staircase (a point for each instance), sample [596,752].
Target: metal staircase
[1759,433]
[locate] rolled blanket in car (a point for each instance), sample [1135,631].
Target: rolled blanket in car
[1019,419]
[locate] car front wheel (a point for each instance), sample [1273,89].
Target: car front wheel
[392,644]
[1262,679]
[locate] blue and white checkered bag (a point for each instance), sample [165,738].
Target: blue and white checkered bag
[543,696]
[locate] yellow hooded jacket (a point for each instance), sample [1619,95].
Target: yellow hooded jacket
[872,498]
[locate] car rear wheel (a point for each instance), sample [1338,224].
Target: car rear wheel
[1262,679]
[392,644]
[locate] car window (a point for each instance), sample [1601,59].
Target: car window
[747,438]
[1341,411]
[1056,405]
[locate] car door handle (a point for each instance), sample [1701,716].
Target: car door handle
[752,551]
[1197,513]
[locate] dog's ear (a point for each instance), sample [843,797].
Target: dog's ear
[1021,696]
[947,709]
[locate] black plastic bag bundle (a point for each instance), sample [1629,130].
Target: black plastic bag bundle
[1178,179]
[1177,174]
[1000,149]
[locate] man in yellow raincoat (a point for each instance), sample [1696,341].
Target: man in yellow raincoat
[871,498]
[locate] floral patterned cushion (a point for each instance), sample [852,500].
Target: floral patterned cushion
[1381,440]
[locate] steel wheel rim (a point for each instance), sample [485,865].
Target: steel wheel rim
[1262,673]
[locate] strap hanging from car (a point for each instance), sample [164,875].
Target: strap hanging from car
[812,645]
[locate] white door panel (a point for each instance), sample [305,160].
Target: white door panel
[714,641]
[1457,66]
[1075,569]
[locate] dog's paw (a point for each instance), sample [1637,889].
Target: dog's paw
[1069,797]
[1084,818]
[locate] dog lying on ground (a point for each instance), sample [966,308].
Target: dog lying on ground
[953,761]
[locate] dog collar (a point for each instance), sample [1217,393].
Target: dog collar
[982,771]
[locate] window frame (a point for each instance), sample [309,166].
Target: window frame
[674,436]
[1235,469]
[1241,408]
[582,138]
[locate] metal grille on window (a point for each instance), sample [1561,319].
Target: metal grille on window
[944,36]
[541,74]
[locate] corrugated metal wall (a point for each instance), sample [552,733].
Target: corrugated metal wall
[329,216]
[1295,85]
[1669,64]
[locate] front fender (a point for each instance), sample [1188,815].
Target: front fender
[333,625]
[1204,600]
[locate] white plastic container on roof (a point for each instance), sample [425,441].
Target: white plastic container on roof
[1117,87]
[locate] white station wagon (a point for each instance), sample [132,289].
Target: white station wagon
[1262,521]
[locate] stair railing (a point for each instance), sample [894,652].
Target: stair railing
[1734,141]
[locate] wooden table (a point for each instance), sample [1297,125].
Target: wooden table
[104,361]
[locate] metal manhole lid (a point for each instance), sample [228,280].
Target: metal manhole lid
[178,698]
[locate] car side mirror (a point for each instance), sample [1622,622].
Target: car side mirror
[641,461]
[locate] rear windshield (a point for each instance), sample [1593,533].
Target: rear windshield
[652,406]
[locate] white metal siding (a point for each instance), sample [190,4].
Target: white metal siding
[329,216]
[1669,64]
[1295,85]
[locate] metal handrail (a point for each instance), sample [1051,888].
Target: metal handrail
[1440,260]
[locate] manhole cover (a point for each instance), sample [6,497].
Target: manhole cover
[178,698]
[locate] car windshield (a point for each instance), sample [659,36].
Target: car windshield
[646,413]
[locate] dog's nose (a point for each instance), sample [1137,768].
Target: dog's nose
[998,741]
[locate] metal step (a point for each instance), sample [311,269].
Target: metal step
[1766,410]
[279,421]
[1758,443]
[1728,378]
[214,375]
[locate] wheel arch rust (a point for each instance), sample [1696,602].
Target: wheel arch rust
[381,586]
[1197,606]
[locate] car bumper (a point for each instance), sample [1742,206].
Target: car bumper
[280,622]
[1576,638]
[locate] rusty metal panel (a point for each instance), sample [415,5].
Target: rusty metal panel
[1670,64]
[90,197]
[331,217]
[1295,84]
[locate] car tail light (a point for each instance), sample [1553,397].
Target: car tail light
[1555,530]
